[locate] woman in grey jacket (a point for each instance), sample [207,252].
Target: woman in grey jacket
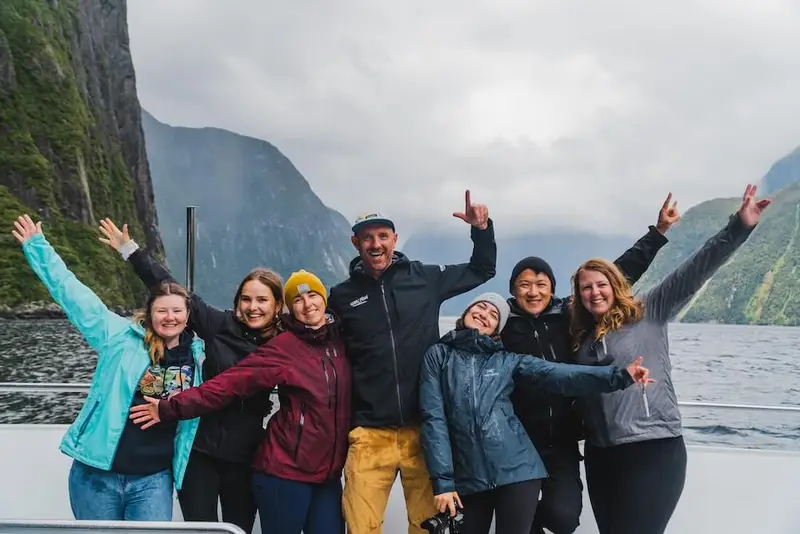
[635,456]
[475,448]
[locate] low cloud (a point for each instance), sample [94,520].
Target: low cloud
[577,114]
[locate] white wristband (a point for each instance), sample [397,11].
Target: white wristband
[128,248]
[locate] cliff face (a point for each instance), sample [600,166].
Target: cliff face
[254,208]
[72,149]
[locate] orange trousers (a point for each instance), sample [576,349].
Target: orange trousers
[374,458]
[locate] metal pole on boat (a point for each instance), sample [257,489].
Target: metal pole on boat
[191,231]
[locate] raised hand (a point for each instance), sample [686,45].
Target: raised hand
[639,374]
[146,415]
[668,215]
[751,209]
[25,228]
[475,214]
[114,238]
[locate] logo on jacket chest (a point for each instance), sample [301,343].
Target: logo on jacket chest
[359,301]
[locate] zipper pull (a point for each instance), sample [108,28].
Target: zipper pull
[646,403]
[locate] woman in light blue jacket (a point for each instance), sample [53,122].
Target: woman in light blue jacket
[120,472]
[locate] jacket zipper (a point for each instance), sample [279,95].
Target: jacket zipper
[394,355]
[300,429]
[335,410]
[327,379]
[478,433]
[87,420]
[549,404]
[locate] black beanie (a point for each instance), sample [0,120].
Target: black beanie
[537,265]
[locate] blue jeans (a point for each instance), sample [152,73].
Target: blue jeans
[287,507]
[100,495]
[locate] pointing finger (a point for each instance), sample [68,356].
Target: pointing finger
[467,200]
[666,202]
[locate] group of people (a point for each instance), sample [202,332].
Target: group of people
[484,420]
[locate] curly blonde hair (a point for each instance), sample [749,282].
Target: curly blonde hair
[626,308]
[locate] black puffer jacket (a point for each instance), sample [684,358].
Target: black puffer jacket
[234,433]
[551,420]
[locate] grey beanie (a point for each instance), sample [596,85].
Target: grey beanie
[498,302]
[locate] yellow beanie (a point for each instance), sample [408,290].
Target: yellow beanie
[303,282]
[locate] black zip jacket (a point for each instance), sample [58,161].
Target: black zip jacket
[234,433]
[391,321]
[551,420]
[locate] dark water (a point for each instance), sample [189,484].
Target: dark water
[711,363]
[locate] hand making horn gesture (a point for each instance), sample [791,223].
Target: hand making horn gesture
[640,375]
[475,214]
[668,215]
[751,209]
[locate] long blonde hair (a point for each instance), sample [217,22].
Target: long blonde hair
[154,342]
[626,307]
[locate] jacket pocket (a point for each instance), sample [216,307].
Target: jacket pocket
[87,420]
[300,424]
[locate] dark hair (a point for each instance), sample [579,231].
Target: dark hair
[154,342]
[274,282]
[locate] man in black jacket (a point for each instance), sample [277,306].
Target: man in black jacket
[389,310]
[539,325]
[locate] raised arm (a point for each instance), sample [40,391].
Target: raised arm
[434,433]
[570,380]
[452,280]
[84,309]
[262,370]
[667,298]
[204,319]
[635,261]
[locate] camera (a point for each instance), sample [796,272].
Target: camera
[443,523]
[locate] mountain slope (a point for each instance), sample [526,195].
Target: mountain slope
[759,284]
[71,144]
[254,208]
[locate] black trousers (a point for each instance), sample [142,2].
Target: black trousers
[208,481]
[634,488]
[561,503]
[510,505]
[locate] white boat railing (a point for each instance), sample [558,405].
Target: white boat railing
[81,387]
[118,527]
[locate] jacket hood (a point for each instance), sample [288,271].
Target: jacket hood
[357,264]
[324,334]
[469,339]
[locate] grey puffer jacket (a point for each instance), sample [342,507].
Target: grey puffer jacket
[471,439]
[622,416]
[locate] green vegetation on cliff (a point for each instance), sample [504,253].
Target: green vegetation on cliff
[57,163]
[759,284]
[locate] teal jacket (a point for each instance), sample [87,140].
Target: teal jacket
[471,437]
[122,359]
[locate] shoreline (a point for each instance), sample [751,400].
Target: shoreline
[40,311]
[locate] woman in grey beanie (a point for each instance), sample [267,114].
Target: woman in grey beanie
[478,455]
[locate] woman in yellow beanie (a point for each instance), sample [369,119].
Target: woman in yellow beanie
[298,466]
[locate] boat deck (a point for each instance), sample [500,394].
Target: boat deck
[728,490]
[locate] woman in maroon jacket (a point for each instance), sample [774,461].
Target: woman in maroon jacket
[298,465]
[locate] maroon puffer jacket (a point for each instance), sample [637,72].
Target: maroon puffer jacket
[307,439]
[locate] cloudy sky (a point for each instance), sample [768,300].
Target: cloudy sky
[576,113]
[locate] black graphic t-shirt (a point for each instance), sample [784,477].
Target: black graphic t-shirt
[144,452]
